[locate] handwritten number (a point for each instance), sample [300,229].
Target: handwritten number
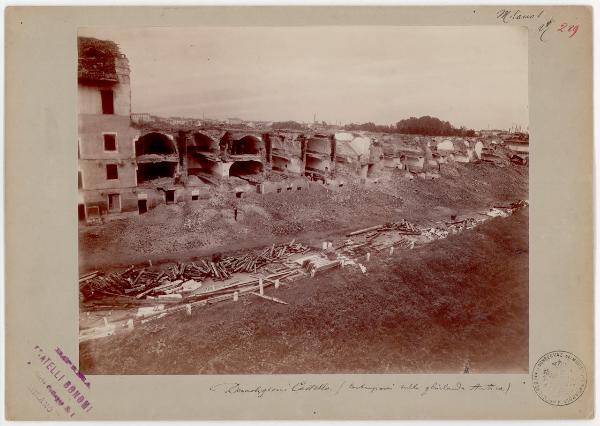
[573,30]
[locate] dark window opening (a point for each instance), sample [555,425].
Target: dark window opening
[370,170]
[289,188]
[170,196]
[142,206]
[114,202]
[278,190]
[110,142]
[111,171]
[341,184]
[108,106]
[93,211]
[195,197]
[81,212]
[238,194]
[79,180]
[299,188]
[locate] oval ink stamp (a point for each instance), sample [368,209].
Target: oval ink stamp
[559,378]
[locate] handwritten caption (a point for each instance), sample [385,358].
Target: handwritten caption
[57,384]
[547,27]
[259,391]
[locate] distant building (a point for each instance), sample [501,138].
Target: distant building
[493,132]
[234,121]
[141,118]
[177,121]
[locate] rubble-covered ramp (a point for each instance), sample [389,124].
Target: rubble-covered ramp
[155,143]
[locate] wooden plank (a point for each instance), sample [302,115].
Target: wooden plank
[272,299]
[362,231]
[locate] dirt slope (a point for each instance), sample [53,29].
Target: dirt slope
[431,309]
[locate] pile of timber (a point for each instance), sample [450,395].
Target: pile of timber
[370,235]
[130,281]
[139,282]
[403,227]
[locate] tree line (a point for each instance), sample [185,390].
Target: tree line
[426,125]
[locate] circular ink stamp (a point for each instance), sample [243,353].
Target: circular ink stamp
[559,378]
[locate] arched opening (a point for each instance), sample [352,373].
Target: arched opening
[248,145]
[280,164]
[154,143]
[243,169]
[151,171]
[204,143]
[156,157]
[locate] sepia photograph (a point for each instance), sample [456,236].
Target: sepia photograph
[303,199]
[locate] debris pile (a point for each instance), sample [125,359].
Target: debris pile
[182,277]
[435,233]
[459,226]
[381,237]
[403,227]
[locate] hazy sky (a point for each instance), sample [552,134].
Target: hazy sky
[471,76]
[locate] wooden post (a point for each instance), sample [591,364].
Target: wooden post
[329,244]
[150,262]
[105,321]
[324,245]
[188,309]
[236,296]
[277,283]
[260,286]
[312,273]
[368,256]
[391,250]
[130,324]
